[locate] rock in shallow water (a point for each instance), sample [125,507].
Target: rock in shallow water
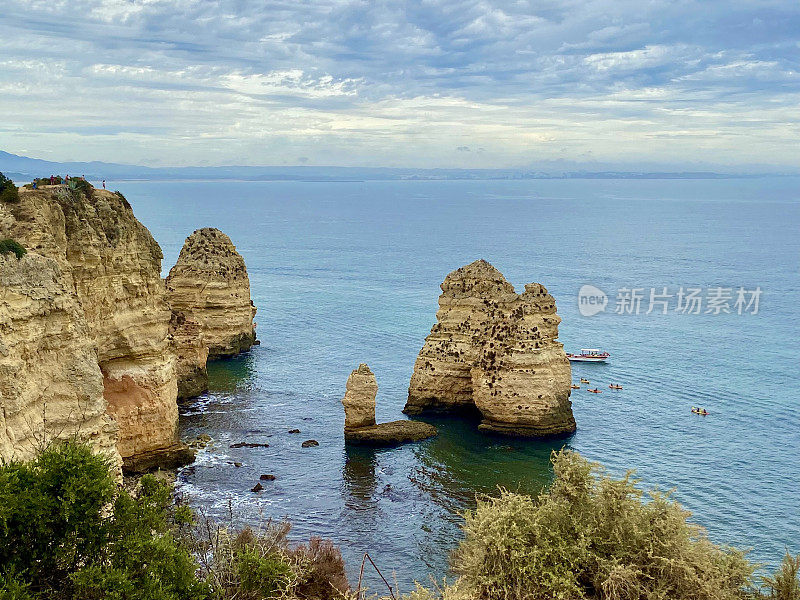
[359,409]
[248,445]
[390,434]
[310,443]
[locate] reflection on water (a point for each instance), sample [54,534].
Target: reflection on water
[358,474]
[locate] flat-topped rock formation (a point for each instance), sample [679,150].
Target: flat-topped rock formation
[359,411]
[210,286]
[111,268]
[495,352]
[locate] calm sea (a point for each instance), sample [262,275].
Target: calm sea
[344,273]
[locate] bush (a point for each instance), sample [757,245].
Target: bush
[591,536]
[57,532]
[8,191]
[785,583]
[261,564]
[322,570]
[82,186]
[12,247]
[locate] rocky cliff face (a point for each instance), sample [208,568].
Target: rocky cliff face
[496,352]
[209,286]
[191,355]
[114,265]
[50,383]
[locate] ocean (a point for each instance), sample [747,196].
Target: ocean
[349,272]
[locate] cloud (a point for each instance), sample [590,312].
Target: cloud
[362,82]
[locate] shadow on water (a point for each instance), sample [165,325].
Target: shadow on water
[230,375]
[463,461]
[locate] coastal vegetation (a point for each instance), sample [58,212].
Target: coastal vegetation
[590,536]
[10,246]
[68,531]
[8,191]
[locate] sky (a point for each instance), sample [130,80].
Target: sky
[650,84]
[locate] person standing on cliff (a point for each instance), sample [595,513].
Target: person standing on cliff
[104,184]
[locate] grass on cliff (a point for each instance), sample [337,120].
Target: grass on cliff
[8,191]
[67,532]
[12,247]
[594,537]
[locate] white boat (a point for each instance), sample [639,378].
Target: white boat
[589,355]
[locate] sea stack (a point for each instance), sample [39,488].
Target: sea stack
[359,399]
[209,294]
[109,269]
[359,411]
[495,352]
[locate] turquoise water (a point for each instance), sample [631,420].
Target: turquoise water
[345,273]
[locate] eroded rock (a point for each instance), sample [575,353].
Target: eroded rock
[359,410]
[495,351]
[113,266]
[209,285]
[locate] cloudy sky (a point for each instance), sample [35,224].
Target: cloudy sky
[450,83]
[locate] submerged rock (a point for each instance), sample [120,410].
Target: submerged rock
[359,410]
[249,445]
[495,352]
[267,477]
[310,444]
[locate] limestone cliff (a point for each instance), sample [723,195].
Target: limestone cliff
[50,383]
[496,352]
[209,285]
[114,265]
[191,355]
[359,415]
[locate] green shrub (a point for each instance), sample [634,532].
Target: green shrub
[591,536]
[51,514]
[8,191]
[12,588]
[262,576]
[12,247]
[65,532]
[81,186]
[785,583]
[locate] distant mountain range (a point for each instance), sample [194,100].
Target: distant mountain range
[22,168]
